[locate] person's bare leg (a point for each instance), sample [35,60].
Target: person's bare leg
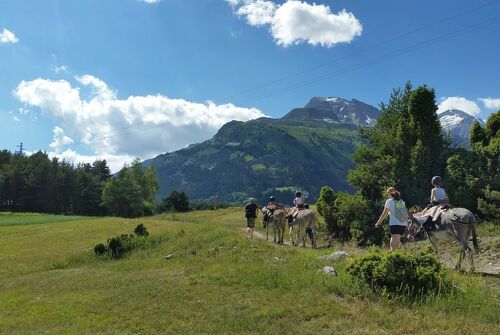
[394,243]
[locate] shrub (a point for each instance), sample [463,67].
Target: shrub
[118,246]
[399,273]
[100,249]
[141,230]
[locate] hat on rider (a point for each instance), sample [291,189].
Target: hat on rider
[298,194]
[252,200]
[271,199]
[436,180]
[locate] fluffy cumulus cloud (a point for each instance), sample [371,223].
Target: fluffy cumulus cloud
[491,103]
[463,104]
[138,126]
[60,140]
[7,36]
[295,22]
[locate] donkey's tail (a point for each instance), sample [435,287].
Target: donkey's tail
[474,235]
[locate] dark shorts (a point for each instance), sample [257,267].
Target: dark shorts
[251,222]
[397,229]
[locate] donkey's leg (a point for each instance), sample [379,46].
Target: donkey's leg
[471,260]
[303,229]
[281,230]
[434,245]
[314,236]
[459,264]
[274,231]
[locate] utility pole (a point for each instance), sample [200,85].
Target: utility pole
[21,148]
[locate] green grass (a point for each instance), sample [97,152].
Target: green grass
[15,219]
[217,282]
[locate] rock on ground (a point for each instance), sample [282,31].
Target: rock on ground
[335,257]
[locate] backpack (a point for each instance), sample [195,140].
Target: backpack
[400,211]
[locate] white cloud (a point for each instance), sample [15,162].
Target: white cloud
[59,69]
[138,126]
[257,12]
[59,140]
[463,104]
[150,1]
[295,22]
[115,162]
[7,36]
[491,103]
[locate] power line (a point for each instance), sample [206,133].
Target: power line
[436,23]
[389,55]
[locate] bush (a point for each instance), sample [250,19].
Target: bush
[141,230]
[118,246]
[399,273]
[100,249]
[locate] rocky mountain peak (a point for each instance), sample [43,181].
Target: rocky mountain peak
[457,124]
[336,110]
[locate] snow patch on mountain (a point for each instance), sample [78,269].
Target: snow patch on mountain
[450,121]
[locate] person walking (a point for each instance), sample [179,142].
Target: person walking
[395,207]
[251,215]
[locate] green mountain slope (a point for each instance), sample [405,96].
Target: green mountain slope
[263,157]
[259,159]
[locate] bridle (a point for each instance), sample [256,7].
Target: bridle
[414,229]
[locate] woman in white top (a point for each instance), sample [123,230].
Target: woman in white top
[397,226]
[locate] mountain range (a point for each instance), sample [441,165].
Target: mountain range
[306,149]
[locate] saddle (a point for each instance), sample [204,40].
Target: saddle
[435,212]
[428,223]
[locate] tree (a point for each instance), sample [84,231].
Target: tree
[132,192]
[177,201]
[463,178]
[325,205]
[485,143]
[122,195]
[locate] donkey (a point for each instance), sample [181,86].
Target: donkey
[304,220]
[456,224]
[278,220]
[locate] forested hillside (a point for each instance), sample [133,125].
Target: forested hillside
[306,149]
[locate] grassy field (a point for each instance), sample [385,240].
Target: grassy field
[216,282]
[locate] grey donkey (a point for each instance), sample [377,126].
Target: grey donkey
[456,224]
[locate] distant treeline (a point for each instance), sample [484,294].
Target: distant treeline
[37,183]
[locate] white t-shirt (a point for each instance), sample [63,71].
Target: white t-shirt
[298,201]
[439,194]
[390,204]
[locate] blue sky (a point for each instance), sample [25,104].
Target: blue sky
[119,79]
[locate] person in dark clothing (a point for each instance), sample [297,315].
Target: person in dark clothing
[251,215]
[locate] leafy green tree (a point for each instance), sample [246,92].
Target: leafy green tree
[132,192]
[122,195]
[463,178]
[325,206]
[177,201]
[485,143]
